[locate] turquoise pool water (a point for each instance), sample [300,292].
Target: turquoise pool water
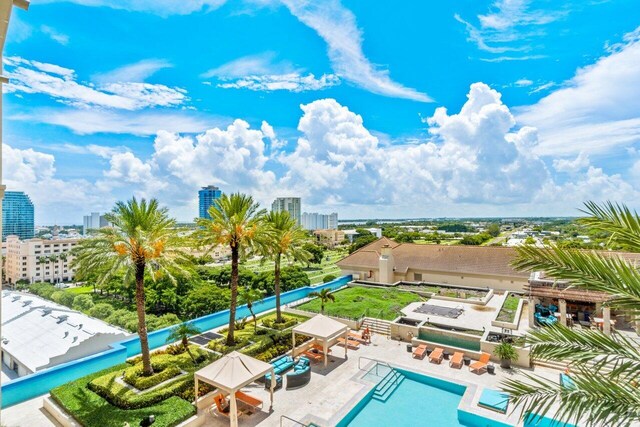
[449,340]
[420,400]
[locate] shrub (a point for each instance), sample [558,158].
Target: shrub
[134,376]
[101,311]
[220,346]
[287,323]
[175,349]
[83,302]
[328,278]
[91,409]
[64,298]
[44,290]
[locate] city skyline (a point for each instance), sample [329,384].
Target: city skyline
[355,109]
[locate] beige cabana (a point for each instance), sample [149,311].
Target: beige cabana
[232,372]
[323,329]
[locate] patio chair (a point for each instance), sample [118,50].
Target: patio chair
[358,336]
[436,355]
[456,360]
[480,366]
[420,351]
[223,406]
[252,402]
[349,343]
[315,357]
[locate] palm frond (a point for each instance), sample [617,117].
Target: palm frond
[619,220]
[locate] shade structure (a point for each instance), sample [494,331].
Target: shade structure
[323,329]
[232,372]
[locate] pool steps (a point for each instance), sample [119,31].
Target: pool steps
[387,385]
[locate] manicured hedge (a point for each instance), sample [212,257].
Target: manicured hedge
[134,377]
[92,410]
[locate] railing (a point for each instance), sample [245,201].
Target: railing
[378,362]
[284,417]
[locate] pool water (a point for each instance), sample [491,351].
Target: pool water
[419,400]
[450,340]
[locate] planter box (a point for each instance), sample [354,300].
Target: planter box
[516,320]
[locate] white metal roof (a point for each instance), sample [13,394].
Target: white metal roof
[39,333]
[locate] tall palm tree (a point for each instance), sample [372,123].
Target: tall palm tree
[42,260]
[285,241]
[63,258]
[248,295]
[181,333]
[604,368]
[237,222]
[324,296]
[143,239]
[52,263]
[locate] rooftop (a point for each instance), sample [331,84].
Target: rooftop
[456,259]
[38,333]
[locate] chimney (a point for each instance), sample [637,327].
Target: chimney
[386,265]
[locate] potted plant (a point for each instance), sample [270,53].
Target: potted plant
[507,353]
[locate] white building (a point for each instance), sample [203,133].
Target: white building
[39,260]
[288,204]
[37,334]
[353,234]
[93,221]
[318,221]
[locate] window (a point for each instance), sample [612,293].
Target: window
[417,276]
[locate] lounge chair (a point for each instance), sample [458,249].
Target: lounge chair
[253,402]
[420,351]
[567,382]
[456,360]
[480,366]
[436,355]
[348,342]
[316,357]
[358,337]
[319,348]
[223,406]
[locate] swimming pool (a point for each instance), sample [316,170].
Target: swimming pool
[450,340]
[417,400]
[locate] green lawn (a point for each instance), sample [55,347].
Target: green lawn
[353,302]
[80,290]
[317,271]
[508,310]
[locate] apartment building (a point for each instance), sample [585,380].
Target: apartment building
[39,260]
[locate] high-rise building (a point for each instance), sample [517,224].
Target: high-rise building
[93,221]
[288,204]
[207,197]
[17,215]
[317,221]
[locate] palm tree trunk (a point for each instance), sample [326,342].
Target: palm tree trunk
[234,296]
[142,324]
[276,283]
[255,319]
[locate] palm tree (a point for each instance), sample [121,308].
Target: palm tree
[237,222]
[248,295]
[286,240]
[181,333]
[63,258]
[42,260]
[143,239]
[324,296]
[52,263]
[604,368]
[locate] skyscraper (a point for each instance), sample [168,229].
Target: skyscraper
[207,197]
[17,215]
[289,204]
[93,221]
[317,221]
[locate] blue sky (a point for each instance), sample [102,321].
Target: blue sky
[370,109]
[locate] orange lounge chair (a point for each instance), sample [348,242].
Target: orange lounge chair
[348,342]
[253,402]
[420,351]
[436,355]
[358,337]
[316,357]
[456,360]
[480,366]
[224,408]
[320,348]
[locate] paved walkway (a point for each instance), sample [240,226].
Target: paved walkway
[28,414]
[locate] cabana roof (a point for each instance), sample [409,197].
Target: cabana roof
[233,371]
[321,327]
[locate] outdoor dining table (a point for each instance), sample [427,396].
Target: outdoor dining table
[568,316]
[600,322]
